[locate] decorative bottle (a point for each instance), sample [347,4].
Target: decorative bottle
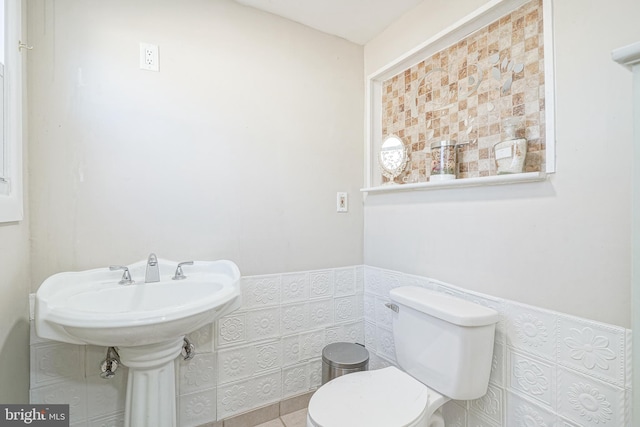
[511,153]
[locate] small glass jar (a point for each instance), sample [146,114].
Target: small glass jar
[443,160]
[511,153]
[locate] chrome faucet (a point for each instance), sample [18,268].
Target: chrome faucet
[153,271]
[126,276]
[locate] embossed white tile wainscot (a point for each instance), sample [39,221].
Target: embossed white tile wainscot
[549,369]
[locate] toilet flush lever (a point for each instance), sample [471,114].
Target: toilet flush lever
[393,307]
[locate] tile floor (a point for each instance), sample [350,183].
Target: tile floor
[294,419]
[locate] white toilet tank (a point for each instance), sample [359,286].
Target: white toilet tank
[443,341]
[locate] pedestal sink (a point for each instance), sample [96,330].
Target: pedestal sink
[147,322]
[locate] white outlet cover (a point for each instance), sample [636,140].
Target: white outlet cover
[149,58]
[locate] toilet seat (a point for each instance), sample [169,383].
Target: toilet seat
[382,398]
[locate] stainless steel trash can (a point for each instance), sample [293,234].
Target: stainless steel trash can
[341,358]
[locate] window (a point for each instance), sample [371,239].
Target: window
[11,202]
[2,62]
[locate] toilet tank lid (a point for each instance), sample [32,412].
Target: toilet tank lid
[446,307]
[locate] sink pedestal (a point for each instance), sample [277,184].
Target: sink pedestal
[151,385]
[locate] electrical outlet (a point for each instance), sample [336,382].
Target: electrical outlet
[149,59]
[342,202]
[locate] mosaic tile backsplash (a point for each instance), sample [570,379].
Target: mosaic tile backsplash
[549,369]
[464,93]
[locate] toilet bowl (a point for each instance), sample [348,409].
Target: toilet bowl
[444,346]
[383,398]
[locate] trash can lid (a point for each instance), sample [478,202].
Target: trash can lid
[345,355]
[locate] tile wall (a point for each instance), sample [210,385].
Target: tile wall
[464,92]
[549,369]
[267,351]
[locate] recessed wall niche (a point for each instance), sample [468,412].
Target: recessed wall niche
[462,84]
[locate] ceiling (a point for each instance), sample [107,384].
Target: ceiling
[355,20]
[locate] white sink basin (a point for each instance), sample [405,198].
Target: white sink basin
[146,321]
[90,307]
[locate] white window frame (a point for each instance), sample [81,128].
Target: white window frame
[11,180]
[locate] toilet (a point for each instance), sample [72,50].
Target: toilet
[444,349]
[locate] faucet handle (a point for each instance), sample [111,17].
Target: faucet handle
[179,274]
[126,276]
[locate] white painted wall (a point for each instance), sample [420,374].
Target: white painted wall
[564,244]
[235,149]
[14,312]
